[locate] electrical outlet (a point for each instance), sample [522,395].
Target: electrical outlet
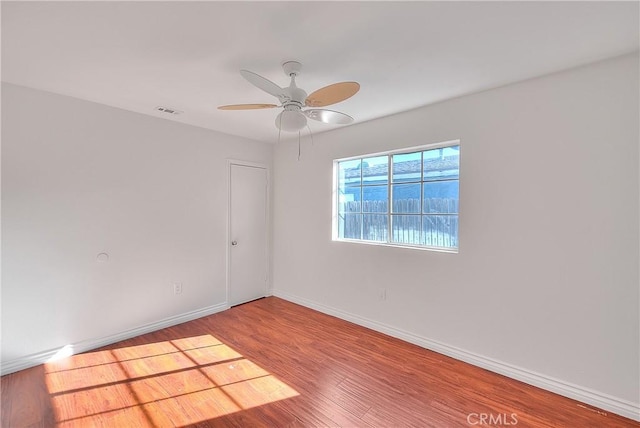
[177,288]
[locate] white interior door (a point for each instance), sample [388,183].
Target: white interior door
[248,273]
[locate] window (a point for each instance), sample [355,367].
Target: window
[404,198]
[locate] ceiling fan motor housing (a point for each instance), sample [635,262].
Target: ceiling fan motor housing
[297,96]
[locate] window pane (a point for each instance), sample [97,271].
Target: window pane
[441,163]
[405,229]
[375,170]
[374,227]
[349,173]
[440,230]
[440,197]
[406,167]
[349,199]
[350,226]
[406,198]
[375,199]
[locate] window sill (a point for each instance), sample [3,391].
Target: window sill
[387,244]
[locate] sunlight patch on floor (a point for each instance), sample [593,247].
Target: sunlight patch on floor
[176,382]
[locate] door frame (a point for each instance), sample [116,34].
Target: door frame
[238,162]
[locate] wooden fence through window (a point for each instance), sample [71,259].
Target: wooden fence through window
[435,225]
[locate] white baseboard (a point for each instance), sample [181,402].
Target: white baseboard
[87,345]
[594,398]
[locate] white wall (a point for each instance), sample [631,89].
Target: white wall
[79,179]
[546,279]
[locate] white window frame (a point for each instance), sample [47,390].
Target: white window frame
[389,213]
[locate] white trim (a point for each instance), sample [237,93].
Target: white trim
[87,345]
[230,162]
[389,244]
[594,398]
[247,163]
[403,150]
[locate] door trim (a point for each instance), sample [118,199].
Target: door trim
[238,162]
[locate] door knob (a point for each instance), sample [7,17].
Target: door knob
[234,243]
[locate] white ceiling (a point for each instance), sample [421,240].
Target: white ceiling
[186,55]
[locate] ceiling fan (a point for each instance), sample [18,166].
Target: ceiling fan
[294,100]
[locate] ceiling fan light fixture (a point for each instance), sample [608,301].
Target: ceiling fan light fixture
[291,121]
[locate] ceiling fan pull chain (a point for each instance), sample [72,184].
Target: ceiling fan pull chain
[298,146]
[310,133]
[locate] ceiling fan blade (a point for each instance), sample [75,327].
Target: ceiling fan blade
[328,116]
[246,106]
[266,85]
[332,94]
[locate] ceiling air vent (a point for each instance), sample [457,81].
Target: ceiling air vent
[168,110]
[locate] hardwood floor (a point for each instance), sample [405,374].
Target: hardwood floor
[273,363]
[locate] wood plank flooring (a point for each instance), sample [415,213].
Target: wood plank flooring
[276,364]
